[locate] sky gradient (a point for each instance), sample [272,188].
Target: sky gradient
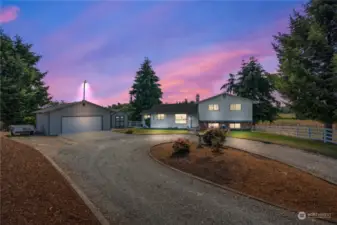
[193,45]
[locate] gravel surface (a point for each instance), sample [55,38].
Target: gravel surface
[116,173]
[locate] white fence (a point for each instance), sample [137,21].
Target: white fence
[314,133]
[134,123]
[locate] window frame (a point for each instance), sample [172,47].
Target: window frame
[235,107]
[235,125]
[184,121]
[160,116]
[213,107]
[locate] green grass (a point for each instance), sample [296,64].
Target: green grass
[287,115]
[152,131]
[308,145]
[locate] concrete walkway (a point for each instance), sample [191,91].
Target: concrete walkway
[128,187]
[315,164]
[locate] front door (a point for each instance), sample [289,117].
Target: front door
[119,121]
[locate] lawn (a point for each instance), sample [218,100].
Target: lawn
[309,145]
[152,131]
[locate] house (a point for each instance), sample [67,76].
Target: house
[172,116]
[223,109]
[77,117]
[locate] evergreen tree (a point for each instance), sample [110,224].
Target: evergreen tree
[308,61]
[145,91]
[252,82]
[22,89]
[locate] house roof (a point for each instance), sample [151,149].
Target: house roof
[189,108]
[225,94]
[65,105]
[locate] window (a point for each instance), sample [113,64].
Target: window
[213,107]
[147,116]
[213,125]
[181,118]
[235,125]
[160,116]
[235,107]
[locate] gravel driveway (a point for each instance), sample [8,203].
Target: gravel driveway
[128,187]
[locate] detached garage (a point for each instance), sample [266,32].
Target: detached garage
[73,117]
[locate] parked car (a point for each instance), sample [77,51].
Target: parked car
[22,129]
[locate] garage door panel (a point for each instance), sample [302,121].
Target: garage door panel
[81,124]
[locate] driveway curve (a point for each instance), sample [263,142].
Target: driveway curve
[128,187]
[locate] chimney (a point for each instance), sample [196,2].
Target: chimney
[197,98]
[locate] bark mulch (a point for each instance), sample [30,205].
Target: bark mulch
[257,176]
[34,192]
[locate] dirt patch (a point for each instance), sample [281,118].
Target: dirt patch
[34,192]
[256,176]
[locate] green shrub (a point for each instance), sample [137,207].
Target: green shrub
[29,120]
[148,122]
[129,131]
[215,137]
[181,146]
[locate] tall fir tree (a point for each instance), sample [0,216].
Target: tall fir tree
[22,89]
[252,82]
[145,91]
[308,61]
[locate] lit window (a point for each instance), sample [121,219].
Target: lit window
[235,107]
[147,116]
[213,107]
[160,116]
[235,125]
[181,118]
[213,125]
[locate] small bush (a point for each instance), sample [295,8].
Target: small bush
[181,146]
[129,131]
[215,138]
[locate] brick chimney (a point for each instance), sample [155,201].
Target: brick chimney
[197,98]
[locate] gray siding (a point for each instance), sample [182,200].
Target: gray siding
[224,113]
[113,119]
[77,110]
[42,123]
[169,122]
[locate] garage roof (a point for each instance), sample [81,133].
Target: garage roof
[65,105]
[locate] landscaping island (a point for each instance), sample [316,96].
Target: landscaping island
[34,192]
[254,175]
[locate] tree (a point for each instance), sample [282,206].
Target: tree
[124,107]
[308,61]
[254,83]
[22,89]
[145,91]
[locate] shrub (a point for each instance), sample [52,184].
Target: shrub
[29,120]
[148,122]
[215,137]
[181,146]
[129,131]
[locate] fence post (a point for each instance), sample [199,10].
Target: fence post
[297,130]
[309,132]
[324,135]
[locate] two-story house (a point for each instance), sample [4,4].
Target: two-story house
[223,109]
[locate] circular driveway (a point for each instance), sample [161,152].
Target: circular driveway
[128,187]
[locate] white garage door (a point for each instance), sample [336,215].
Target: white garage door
[81,124]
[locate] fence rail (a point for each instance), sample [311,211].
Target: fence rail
[134,123]
[314,133]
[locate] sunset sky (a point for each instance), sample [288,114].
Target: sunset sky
[193,45]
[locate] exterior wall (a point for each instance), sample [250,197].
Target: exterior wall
[88,109]
[169,122]
[113,119]
[224,113]
[42,123]
[244,125]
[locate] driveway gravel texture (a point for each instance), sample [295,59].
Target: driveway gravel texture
[128,187]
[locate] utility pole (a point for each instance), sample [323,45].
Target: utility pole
[84,83]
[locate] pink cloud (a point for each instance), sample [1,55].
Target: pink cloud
[8,14]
